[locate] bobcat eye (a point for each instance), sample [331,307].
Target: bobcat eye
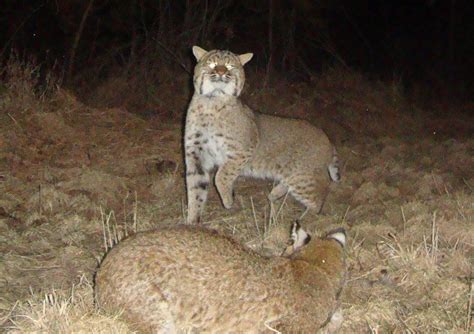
[212,65]
[229,66]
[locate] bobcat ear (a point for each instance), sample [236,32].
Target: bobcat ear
[339,235]
[198,52]
[245,58]
[298,236]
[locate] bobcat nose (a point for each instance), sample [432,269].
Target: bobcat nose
[220,69]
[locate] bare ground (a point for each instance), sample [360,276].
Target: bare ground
[69,172]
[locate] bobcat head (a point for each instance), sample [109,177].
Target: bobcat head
[219,72]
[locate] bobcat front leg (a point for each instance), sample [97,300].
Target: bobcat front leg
[226,176]
[197,187]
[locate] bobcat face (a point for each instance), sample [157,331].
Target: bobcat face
[219,72]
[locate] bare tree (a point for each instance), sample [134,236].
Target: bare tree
[77,38]
[270,43]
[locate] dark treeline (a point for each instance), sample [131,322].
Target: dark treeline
[423,41]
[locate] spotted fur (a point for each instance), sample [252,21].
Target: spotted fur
[188,279]
[223,132]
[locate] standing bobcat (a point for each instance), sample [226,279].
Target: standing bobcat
[187,279]
[223,132]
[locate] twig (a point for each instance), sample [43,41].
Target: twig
[467,184]
[174,56]
[359,154]
[204,19]
[373,330]
[469,307]
[77,37]
[184,212]
[282,204]
[15,121]
[270,43]
[40,205]
[459,207]
[135,214]
[271,328]
[404,219]
[20,26]
[255,217]
[434,238]
[345,214]
[438,188]
[102,219]
[357,30]
[10,312]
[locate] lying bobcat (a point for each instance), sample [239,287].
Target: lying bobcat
[193,280]
[223,132]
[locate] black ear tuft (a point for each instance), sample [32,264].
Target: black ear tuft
[338,234]
[294,228]
[298,236]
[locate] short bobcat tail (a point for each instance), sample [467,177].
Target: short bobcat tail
[333,168]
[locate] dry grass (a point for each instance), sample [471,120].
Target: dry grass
[63,311]
[75,180]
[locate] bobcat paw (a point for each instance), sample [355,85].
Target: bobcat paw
[193,220]
[228,202]
[228,199]
[226,193]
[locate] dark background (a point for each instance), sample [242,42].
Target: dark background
[423,43]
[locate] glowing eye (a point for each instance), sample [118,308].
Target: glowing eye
[212,65]
[229,66]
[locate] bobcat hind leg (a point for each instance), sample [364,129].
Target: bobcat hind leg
[278,192]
